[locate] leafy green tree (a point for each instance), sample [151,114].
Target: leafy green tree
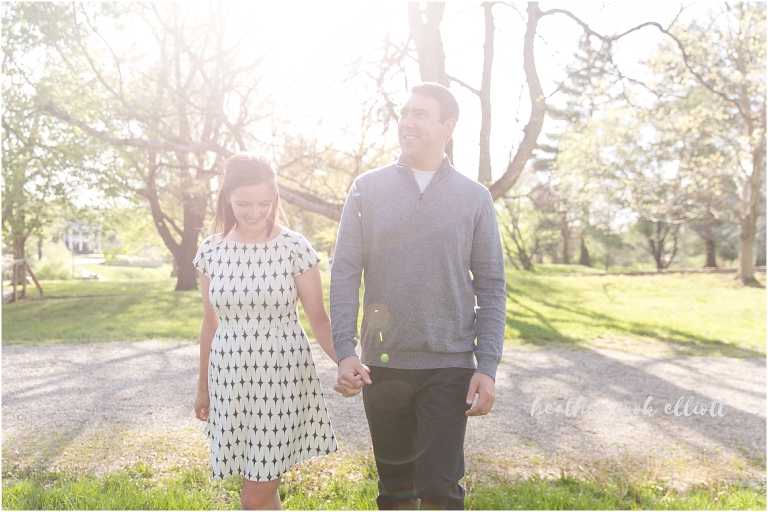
[724,55]
[43,158]
[587,90]
[169,94]
[529,223]
[661,240]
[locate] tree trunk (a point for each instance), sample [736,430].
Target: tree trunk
[746,256]
[484,165]
[525,261]
[184,251]
[425,32]
[566,245]
[656,246]
[749,214]
[657,259]
[538,109]
[194,214]
[187,278]
[657,238]
[711,261]
[19,253]
[584,257]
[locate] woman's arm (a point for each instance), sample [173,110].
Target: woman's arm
[207,331]
[310,289]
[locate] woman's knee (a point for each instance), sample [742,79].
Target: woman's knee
[260,495]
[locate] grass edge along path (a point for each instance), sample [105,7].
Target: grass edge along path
[698,314]
[350,485]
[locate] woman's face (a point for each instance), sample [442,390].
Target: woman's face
[252,205]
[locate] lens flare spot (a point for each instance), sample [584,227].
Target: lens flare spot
[376,316]
[384,358]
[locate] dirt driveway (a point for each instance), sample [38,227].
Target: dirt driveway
[105,406]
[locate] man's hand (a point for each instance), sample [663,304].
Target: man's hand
[483,386]
[353,375]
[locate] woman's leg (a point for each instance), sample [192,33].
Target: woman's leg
[260,495]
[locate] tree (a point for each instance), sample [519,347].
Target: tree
[320,174]
[43,159]
[707,230]
[171,108]
[661,240]
[431,59]
[585,91]
[529,222]
[519,241]
[725,55]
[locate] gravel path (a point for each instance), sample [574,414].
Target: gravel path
[104,406]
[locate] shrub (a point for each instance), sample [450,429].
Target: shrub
[52,269]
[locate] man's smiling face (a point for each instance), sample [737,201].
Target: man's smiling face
[421,133]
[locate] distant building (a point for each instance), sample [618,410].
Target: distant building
[83,239]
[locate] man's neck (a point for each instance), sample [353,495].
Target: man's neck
[431,164]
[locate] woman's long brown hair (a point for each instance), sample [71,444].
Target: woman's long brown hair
[245,169]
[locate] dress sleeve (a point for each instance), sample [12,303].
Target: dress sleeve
[201,258]
[304,257]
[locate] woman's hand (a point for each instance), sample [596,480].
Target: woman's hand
[202,404]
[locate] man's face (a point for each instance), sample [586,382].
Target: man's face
[421,133]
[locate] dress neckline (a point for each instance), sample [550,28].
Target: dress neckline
[246,244]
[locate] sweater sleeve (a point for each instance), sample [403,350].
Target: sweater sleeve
[489,283]
[346,272]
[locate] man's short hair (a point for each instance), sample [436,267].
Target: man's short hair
[449,107]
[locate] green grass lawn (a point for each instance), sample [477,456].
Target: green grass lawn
[116,272]
[350,485]
[104,311]
[701,313]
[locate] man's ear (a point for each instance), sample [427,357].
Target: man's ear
[448,126]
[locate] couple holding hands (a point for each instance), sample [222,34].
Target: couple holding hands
[425,241]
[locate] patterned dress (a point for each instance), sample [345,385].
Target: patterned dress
[267,410]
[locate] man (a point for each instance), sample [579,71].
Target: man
[426,241]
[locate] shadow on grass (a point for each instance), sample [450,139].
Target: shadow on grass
[542,331]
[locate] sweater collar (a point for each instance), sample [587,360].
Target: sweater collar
[404,165]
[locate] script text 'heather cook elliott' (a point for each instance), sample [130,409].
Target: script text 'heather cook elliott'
[684,407]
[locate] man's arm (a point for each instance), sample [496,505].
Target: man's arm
[346,271]
[489,283]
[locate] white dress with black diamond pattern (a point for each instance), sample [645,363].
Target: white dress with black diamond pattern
[267,410]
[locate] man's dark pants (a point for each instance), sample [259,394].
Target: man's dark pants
[417,424]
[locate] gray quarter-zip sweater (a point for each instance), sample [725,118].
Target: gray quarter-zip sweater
[425,258]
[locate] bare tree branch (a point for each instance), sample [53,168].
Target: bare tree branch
[189,147]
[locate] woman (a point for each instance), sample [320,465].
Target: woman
[258,389]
